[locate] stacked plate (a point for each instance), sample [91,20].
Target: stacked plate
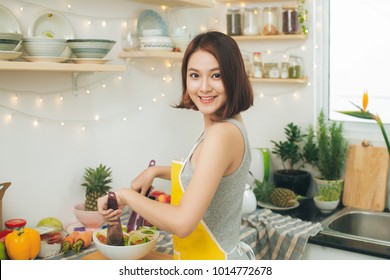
[152,32]
[10,35]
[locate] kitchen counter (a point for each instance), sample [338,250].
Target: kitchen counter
[249,234]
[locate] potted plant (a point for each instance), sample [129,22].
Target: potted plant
[328,197]
[96,182]
[297,150]
[332,150]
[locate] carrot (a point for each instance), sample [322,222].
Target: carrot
[68,241]
[83,240]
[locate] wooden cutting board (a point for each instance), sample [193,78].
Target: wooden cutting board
[153,255]
[366,175]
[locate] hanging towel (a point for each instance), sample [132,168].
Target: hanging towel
[279,237]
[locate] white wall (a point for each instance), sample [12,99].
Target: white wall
[45,163]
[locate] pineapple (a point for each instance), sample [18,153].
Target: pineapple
[283,197]
[96,183]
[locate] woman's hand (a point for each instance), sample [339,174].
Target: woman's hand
[109,215]
[143,181]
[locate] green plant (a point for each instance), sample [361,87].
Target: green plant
[97,182]
[329,192]
[302,16]
[332,148]
[297,150]
[363,113]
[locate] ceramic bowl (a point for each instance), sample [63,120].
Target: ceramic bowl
[43,46]
[90,219]
[9,41]
[90,48]
[133,252]
[155,43]
[326,207]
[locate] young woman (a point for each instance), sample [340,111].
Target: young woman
[207,188]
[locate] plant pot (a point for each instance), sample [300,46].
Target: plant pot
[320,183]
[325,207]
[295,180]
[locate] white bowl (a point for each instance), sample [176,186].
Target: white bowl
[133,252]
[90,219]
[90,48]
[326,207]
[152,32]
[9,41]
[40,46]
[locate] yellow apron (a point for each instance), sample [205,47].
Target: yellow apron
[200,244]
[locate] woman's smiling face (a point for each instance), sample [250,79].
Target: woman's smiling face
[204,83]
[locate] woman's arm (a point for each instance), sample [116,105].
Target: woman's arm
[220,150]
[145,179]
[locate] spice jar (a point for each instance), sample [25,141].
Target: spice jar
[233,22]
[295,68]
[290,19]
[271,70]
[270,21]
[250,21]
[274,72]
[284,70]
[257,65]
[247,63]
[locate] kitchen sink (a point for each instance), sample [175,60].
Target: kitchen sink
[358,230]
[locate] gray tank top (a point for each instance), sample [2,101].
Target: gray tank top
[223,216]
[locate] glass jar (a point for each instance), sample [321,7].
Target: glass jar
[233,22]
[271,70]
[274,72]
[270,21]
[290,19]
[295,68]
[284,70]
[250,21]
[257,65]
[247,63]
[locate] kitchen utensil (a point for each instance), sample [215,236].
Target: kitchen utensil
[114,232]
[135,220]
[3,187]
[366,177]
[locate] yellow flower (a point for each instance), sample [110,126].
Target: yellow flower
[365,114]
[365,101]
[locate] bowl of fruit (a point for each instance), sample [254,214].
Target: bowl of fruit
[136,244]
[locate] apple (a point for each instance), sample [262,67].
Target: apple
[165,198]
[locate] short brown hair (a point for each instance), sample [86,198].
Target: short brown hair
[234,78]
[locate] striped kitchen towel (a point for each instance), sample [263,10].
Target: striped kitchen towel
[280,237]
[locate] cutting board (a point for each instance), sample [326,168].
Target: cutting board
[365,185]
[153,255]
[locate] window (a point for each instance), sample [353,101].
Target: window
[359,57]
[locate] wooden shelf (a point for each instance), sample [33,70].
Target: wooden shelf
[279,81]
[151,54]
[178,3]
[251,1]
[300,36]
[59,67]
